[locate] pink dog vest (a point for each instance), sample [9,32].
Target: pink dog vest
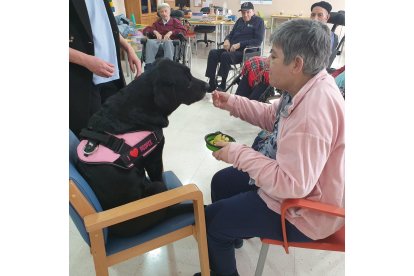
[133,145]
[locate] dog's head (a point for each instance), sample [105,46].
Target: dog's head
[147,101]
[174,85]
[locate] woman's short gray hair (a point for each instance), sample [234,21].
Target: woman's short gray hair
[309,39]
[163,6]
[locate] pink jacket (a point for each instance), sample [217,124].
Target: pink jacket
[310,156]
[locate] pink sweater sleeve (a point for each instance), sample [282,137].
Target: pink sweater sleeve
[256,113]
[299,162]
[300,157]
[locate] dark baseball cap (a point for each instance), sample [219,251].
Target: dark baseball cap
[246,6]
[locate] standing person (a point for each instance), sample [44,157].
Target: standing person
[95,71]
[248,31]
[163,30]
[302,158]
[321,11]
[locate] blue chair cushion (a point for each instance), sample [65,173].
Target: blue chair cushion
[116,244]
[85,189]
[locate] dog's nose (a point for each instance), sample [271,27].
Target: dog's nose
[207,86]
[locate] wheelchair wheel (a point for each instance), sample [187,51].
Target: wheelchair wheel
[187,55]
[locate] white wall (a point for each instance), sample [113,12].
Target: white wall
[287,6]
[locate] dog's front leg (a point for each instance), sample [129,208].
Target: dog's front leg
[153,163]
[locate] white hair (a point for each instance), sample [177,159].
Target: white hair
[163,6]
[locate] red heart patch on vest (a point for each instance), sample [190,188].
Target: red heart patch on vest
[134,152]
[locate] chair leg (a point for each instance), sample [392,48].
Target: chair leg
[201,236]
[98,253]
[262,259]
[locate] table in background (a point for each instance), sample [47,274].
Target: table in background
[283,17]
[219,24]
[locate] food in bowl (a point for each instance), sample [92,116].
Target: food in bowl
[212,138]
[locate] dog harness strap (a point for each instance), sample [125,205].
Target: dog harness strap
[121,150]
[128,157]
[110,141]
[158,135]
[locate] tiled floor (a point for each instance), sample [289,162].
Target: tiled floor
[192,162]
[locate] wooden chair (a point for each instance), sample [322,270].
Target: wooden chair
[335,242]
[107,250]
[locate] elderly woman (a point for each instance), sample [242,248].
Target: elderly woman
[164,31]
[302,158]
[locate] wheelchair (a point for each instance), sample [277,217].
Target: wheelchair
[336,19]
[182,50]
[182,47]
[235,70]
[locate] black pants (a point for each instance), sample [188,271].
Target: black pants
[225,58]
[109,89]
[97,96]
[239,212]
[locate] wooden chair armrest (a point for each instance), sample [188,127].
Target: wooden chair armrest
[313,205]
[143,206]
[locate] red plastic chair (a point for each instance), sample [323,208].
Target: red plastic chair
[335,242]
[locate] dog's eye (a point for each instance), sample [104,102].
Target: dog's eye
[189,84]
[190,78]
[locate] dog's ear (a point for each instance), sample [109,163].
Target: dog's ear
[165,97]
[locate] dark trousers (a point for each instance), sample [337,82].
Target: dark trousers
[98,94]
[109,89]
[225,58]
[238,212]
[243,89]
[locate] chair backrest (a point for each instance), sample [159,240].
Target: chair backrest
[84,187]
[177,14]
[337,19]
[218,8]
[205,10]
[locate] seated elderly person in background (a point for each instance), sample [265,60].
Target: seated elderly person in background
[302,158]
[254,69]
[254,78]
[248,31]
[164,31]
[321,11]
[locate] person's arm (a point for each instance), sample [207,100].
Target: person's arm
[148,30]
[178,28]
[235,27]
[253,112]
[294,173]
[94,64]
[133,60]
[258,35]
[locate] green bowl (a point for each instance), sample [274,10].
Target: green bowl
[209,137]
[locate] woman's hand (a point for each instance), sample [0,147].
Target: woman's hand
[134,63]
[234,47]
[220,98]
[226,45]
[167,35]
[158,35]
[99,66]
[133,60]
[223,153]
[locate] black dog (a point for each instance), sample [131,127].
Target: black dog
[144,104]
